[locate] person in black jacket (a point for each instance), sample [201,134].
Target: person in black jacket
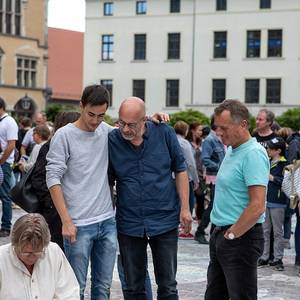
[276,205]
[38,180]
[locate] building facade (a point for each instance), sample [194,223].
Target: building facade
[23,55]
[65,65]
[195,53]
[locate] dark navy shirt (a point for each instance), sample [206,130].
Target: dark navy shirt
[147,199]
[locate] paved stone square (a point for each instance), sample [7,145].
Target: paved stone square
[191,275]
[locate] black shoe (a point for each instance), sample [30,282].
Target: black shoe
[201,239]
[276,263]
[262,263]
[4,232]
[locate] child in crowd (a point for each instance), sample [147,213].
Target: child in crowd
[276,205]
[41,135]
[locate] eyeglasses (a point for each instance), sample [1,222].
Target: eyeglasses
[122,124]
[35,254]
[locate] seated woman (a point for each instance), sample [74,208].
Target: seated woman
[32,267]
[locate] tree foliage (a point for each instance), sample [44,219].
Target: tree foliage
[53,109]
[290,118]
[189,116]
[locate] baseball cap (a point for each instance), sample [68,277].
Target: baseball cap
[277,143]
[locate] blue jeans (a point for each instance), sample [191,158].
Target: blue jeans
[134,258]
[148,286]
[232,270]
[5,197]
[297,237]
[98,243]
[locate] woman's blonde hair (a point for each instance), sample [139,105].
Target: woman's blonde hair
[30,229]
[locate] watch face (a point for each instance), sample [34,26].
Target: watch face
[231,236]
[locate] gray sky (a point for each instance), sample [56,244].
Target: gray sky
[67,14]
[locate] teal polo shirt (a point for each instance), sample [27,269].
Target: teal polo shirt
[244,166]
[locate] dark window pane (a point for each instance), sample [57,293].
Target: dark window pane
[108,8]
[26,78]
[107,47]
[174,6]
[219,90]
[172,98]
[221,4]
[8,5]
[273,90]
[252,91]
[265,3]
[8,23]
[33,79]
[275,43]
[17,6]
[253,43]
[220,44]
[1,20]
[174,46]
[139,89]
[139,46]
[108,83]
[19,78]
[17,25]
[141,7]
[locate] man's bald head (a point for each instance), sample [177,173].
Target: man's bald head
[132,107]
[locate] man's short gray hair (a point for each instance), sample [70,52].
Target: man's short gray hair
[237,109]
[30,229]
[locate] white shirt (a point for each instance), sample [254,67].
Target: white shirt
[33,156]
[8,132]
[52,277]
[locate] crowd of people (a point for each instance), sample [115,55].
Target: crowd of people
[141,183]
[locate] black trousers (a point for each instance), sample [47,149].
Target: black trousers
[232,270]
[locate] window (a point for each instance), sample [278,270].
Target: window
[141,7]
[138,88]
[172,98]
[26,72]
[174,6]
[220,44]
[265,4]
[108,8]
[139,46]
[108,83]
[273,90]
[174,46]
[275,43]
[253,43]
[221,4]
[107,47]
[218,90]
[252,91]
[10,16]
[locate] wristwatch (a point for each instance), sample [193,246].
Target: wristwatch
[231,236]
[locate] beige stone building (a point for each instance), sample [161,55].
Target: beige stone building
[23,54]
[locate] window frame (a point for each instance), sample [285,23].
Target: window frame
[220,52]
[172,92]
[253,40]
[215,90]
[141,7]
[277,50]
[139,91]
[221,5]
[271,99]
[249,90]
[175,6]
[265,4]
[108,9]
[140,47]
[107,47]
[174,45]
[108,84]
[26,74]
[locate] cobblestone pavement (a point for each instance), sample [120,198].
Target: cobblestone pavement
[191,275]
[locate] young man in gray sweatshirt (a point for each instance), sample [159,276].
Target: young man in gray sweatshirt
[78,183]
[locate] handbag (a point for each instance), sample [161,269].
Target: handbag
[23,194]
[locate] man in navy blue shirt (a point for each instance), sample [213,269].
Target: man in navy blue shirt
[152,197]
